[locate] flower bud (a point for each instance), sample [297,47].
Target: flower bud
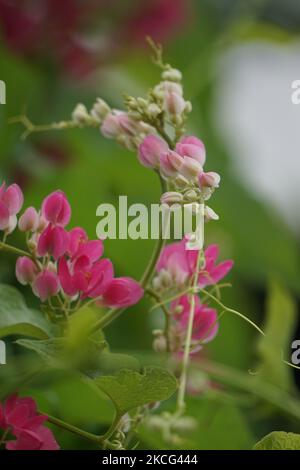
[150,151]
[191,195]
[210,214]
[153,110]
[45,285]
[11,224]
[160,344]
[26,270]
[174,103]
[80,114]
[110,127]
[209,180]
[170,163]
[193,148]
[53,241]
[173,75]
[100,109]
[190,168]
[11,201]
[56,209]
[171,197]
[29,221]
[181,182]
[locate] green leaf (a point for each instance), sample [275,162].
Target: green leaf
[279,440]
[94,362]
[17,319]
[279,326]
[47,349]
[129,389]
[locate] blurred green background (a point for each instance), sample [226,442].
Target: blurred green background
[238,61]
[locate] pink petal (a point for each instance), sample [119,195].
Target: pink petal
[13,198]
[56,209]
[93,249]
[77,236]
[45,285]
[101,275]
[122,292]
[26,440]
[65,278]
[4,216]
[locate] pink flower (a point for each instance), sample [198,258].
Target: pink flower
[19,416]
[56,209]
[29,221]
[174,260]
[180,263]
[192,147]
[118,122]
[205,326]
[190,168]
[150,151]
[26,270]
[174,103]
[11,201]
[45,285]
[54,240]
[85,276]
[77,236]
[170,163]
[209,180]
[110,127]
[122,292]
[212,273]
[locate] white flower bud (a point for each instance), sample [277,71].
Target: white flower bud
[210,214]
[153,110]
[80,114]
[171,197]
[173,75]
[100,109]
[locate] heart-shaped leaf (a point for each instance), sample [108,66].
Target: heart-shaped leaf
[279,440]
[130,389]
[17,319]
[55,352]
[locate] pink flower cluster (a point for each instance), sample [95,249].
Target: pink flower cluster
[19,417]
[186,160]
[179,264]
[68,260]
[205,325]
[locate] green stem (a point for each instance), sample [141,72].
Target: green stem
[73,429]
[186,354]
[112,428]
[13,249]
[235,312]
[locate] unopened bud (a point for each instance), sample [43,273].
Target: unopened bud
[171,197]
[210,214]
[80,114]
[190,168]
[100,109]
[160,344]
[191,195]
[209,180]
[29,221]
[175,103]
[173,75]
[181,181]
[153,110]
